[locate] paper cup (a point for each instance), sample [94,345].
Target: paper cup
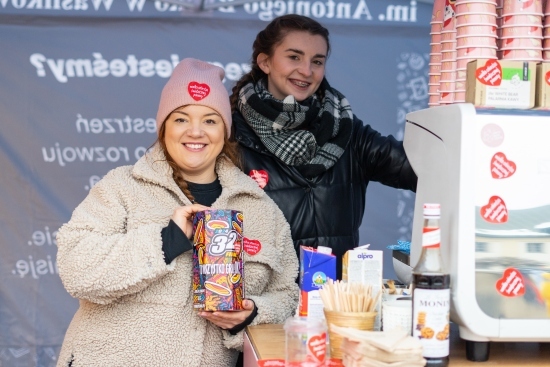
[397,314]
[462,63]
[475,7]
[448,36]
[447,76]
[446,86]
[476,30]
[521,19]
[433,99]
[448,56]
[546,55]
[434,79]
[435,58]
[460,74]
[435,37]
[511,43]
[460,84]
[433,89]
[435,48]
[521,7]
[448,66]
[460,96]
[438,11]
[446,97]
[473,41]
[448,46]
[522,55]
[434,68]
[436,27]
[476,52]
[476,18]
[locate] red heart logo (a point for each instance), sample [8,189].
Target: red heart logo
[495,211]
[260,176]
[251,247]
[511,283]
[271,363]
[317,346]
[198,91]
[490,73]
[501,167]
[547,77]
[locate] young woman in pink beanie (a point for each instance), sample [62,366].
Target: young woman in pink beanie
[126,252]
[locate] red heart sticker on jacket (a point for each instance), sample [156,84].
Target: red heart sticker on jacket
[547,77]
[251,247]
[511,283]
[501,167]
[260,176]
[271,363]
[317,346]
[490,73]
[495,211]
[198,91]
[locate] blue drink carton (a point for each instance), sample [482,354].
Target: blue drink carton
[316,267]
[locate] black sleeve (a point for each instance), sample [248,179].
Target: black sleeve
[174,242]
[234,330]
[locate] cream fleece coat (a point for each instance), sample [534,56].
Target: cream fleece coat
[137,311]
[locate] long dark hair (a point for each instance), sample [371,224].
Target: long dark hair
[230,149]
[266,41]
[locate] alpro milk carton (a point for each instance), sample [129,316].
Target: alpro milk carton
[316,267]
[362,265]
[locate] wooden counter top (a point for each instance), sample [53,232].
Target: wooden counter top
[269,343]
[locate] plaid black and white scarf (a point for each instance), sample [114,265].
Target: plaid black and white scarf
[310,135]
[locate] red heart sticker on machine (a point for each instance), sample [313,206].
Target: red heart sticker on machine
[511,283]
[317,345]
[490,73]
[547,77]
[502,167]
[251,247]
[271,363]
[198,91]
[495,211]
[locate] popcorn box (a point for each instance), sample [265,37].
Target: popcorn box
[217,260]
[365,266]
[501,83]
[542,96]
[316,267]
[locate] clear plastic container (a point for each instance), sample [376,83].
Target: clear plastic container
[305,342]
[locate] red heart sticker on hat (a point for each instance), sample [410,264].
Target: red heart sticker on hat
[251,247]
[260,176]
[317,346]
[511,283]
[198,91]
[502,167]
[495,211]
[547,77]
[490,73]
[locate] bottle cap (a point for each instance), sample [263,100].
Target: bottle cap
[432,210]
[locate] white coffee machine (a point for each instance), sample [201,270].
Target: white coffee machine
[490,171]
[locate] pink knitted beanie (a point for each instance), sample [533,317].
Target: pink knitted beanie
[195,82]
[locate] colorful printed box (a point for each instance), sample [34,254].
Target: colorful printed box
[217,260]
[316,267]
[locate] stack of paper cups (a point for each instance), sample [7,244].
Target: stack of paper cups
[546,32]
[521,30]
[448,54]
[434,72]
[476,24]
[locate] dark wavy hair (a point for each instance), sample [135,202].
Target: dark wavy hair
[230,149]
[266,41]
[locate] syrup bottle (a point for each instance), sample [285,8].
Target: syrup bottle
[431,293]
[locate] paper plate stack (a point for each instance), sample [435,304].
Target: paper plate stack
[393,348]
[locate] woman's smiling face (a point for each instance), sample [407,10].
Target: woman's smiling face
[296,67]
[194,138]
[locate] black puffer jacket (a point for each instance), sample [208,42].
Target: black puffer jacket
[328,209]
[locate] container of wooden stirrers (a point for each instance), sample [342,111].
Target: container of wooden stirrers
[356,320]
